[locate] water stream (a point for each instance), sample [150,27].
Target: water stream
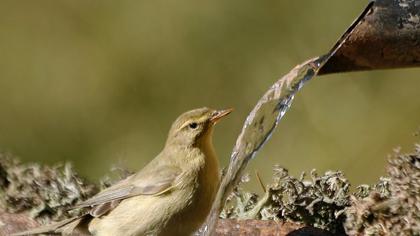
[260,124]
[264,118]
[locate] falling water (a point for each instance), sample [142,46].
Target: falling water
[266,115]
[264,118]
[260,124]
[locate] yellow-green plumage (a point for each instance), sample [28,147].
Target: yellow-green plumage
[172,195]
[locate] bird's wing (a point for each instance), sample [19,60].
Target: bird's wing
[152,180]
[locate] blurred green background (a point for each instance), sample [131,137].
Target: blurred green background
[99,82]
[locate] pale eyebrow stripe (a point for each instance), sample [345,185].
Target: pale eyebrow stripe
[183,125]
[188,121]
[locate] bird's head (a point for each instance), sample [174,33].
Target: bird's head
[195,125]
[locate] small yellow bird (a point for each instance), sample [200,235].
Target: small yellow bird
[172,195]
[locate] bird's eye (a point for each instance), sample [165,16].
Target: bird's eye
[193,125]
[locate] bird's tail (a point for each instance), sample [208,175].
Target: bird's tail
[65,227]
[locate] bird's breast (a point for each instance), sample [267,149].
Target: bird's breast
[198,189]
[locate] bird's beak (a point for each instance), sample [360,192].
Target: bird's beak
[219,114]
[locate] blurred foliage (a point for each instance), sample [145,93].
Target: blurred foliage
[99,82]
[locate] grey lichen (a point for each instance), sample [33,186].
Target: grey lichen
[389,207]
[318,201]
[393,207]
[44,192]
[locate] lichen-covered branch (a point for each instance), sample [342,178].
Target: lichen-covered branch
[390,207]
[32,194]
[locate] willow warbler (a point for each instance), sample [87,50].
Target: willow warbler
[172,195]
